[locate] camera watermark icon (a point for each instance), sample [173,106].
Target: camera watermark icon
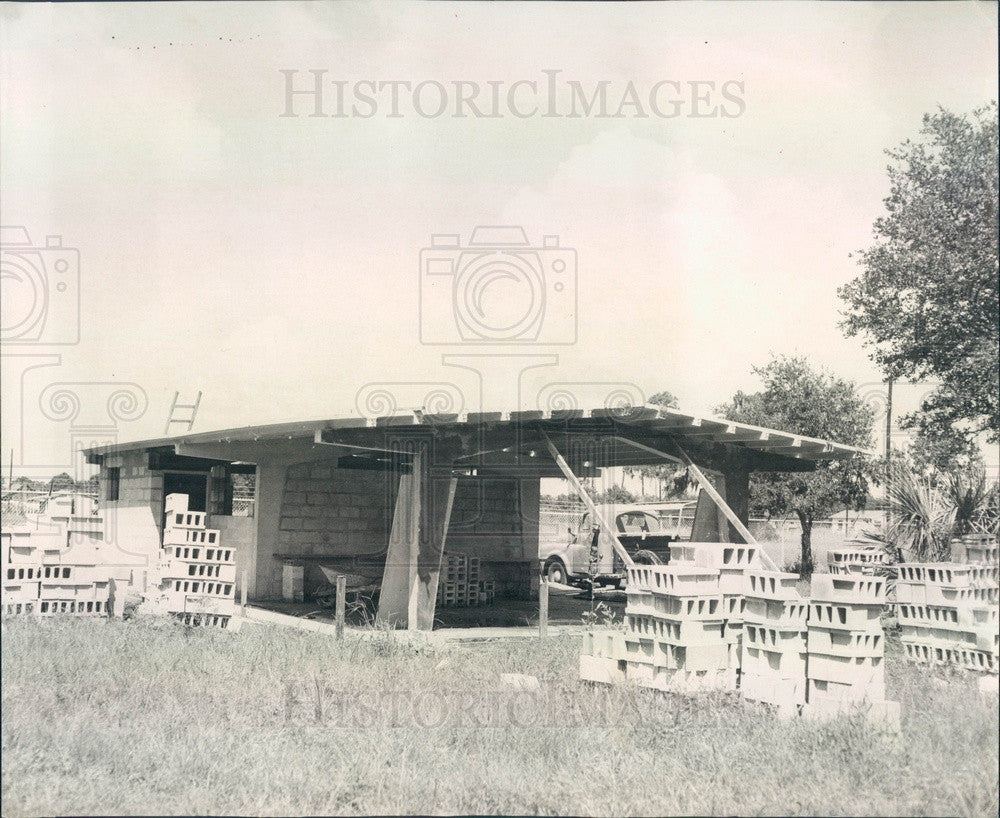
[497,289]
[40,290]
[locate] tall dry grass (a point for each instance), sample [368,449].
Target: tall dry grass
[152,718]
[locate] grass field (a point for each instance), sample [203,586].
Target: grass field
[147,717]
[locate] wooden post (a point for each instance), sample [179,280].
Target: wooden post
[243,593]
[543,607]
[341,602]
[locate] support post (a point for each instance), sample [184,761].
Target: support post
[413,562]
[243,592]
[543,607]
[442,496]
[594,513]
[393,602]
[341,603]
[416,511]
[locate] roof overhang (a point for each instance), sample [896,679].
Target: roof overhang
[512,442]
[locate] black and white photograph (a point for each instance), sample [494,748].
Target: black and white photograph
[499,408]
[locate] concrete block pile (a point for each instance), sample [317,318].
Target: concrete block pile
[773,657]
[38,583]
[732,561]
[846,647]
[604,657]
[948,612]
[713,618]
[196,579]
[461,583]
[675,629]
[857,560]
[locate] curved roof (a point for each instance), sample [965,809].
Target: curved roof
[645,424]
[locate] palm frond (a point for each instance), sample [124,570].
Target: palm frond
[922,519]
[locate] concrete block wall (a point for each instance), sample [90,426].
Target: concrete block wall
[133,522]
[495,519]
[137,486]
[326,511]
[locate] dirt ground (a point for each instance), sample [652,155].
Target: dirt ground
[563,610]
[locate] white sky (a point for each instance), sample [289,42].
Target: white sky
[274,262]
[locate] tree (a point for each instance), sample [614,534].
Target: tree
[813,403]
[61,482]
[927,301]
[950,452]
[615,494]
[664,398]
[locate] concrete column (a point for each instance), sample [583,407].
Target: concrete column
[529,489]
[441,495]
[737,494]
[710,524]
[270,491]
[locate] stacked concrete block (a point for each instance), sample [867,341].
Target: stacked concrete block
[865,561]
[197,572]
[21,584]
[460,583]
[43,587]
[83,590]
[732,561]
[773,655]
[603,657]
[293,583]
[975,549]
[846,640]
[820,656]
[675,637]
[472,581]
[487,591]
[948,611]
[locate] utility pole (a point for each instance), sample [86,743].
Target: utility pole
[888,452]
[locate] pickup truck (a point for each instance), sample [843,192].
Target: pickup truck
[586,552]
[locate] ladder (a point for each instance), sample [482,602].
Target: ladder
[176,408]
